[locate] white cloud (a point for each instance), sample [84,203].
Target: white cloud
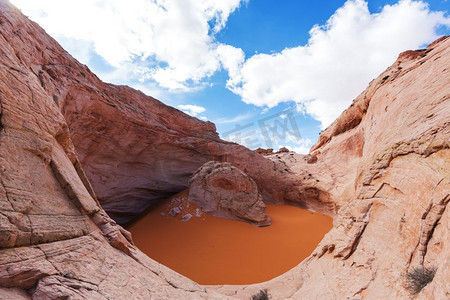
[171,42]
[170,45]
[299,145]
[232,60]
[300,149]
[193,110]
[340,59]
[293,142]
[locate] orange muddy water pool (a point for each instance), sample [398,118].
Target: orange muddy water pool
[211,250]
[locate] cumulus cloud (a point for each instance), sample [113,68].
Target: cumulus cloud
[231,59]
[170,42]
[170,45]
[192,110]
[340,59]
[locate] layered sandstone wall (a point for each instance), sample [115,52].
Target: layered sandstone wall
[382,169]
[134,149]
[56,241]
[385,163]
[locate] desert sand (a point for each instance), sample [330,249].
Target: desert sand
[212,250]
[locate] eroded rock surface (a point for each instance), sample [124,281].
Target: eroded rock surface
[381,169]
[56,241]
[385,164]
[134,149]
[223,190]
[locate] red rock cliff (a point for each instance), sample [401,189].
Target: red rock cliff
[385,164]
[134,149]
[56,241]
[382,169]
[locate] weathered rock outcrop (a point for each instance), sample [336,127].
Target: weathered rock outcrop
[385,164]
[222,190]
[134,149]
[58,121]
[382,169]
[56,242]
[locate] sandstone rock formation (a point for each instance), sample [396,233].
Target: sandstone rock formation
[56,242]
[381,169]
[264,151]
[134,149]
[222,190]
[385,163]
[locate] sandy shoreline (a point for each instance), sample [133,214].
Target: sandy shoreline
[212,250]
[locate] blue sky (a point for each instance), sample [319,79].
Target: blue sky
[267,73]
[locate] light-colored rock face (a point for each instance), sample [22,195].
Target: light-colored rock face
[56,242]
[382,170]
[385,163]
[223,190]
[134,149]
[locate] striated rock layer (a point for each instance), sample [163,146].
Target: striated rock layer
[385,163]
[381,169]
[56,242]
[134,149]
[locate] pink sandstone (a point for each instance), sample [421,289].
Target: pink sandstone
[73,147]
[223,190]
